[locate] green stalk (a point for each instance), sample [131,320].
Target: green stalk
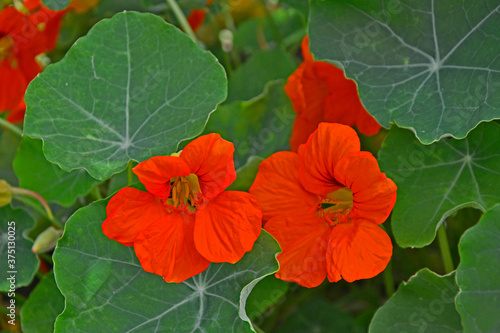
[13,128]
[96,193]
[130,174]
[182,19]
[56,223]
[445,249]
[388,280]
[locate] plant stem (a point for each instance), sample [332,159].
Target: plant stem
[272,23]
[182,19]
[13,128]
[445,249]
[96,193]
[56,223]
[388,280]
[130,174]
[29,193]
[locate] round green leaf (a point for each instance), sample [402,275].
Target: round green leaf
[431,65]
[44,304]
[423,304]
[477,275]
[133,88]
[436,180]
[261,126]
[249,80]
[107,290]
[25,262]
[47,179]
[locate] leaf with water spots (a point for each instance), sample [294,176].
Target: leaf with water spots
[133,88]
[477,275]
[436,180]
[432,66]
[107,290]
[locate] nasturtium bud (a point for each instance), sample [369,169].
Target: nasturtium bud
[5,193]
[47,240]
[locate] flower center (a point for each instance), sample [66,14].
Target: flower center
[336,206]
[185,192]
[6,47]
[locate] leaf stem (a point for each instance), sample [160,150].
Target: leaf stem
[56,223]
[445,249]
[130,174]
[182,19]
[388,280]
[13,128]
[96,193]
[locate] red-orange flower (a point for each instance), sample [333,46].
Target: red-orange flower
[320,92]
[185,220]
[197,16]
[323,205]
[22,38]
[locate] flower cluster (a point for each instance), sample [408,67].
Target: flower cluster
[323,204]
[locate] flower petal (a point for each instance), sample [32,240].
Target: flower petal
[228,226]
[156,173]
[356,251]
[278,190]
[321,153]
[211,158]
[12,85]
[374,194]
[129,212]
[304,242]
[167,248]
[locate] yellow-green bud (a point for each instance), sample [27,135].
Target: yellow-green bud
[5,193]
[47,240]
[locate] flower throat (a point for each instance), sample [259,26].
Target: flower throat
[336,206]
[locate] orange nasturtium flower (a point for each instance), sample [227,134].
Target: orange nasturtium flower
[323,205]
[20,43]
[186,220]
[320,92]
[23,36]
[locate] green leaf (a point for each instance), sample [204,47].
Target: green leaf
[430,65]
[47,179]
[56,4]
[423,304]
[477,275]
[252,34]
[13,246]
[266,293]
[249,80]
[435,181]
[301,5]
[319,316]
[107,290]
[8,146]
[133,88]
[260,127]
[246,174]
[44,304]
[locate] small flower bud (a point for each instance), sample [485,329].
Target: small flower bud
[47,240]
[5,193]
[226,40]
